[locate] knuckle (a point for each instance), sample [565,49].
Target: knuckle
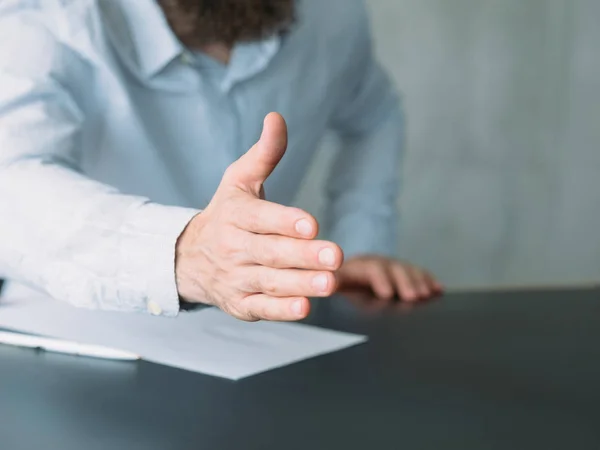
[252,316]
[247,316]
[268,282]
[234,310]
[226,308]
[373,271]
[253,285]
[230,309]
[230,244]
[252,249]
[269,259]
[267,253]
[399,274]
[244,216]
[251,220]
[226,248]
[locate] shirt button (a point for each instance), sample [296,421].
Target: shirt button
[154,308]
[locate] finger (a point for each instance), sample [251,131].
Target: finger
[420,283]
[288,253]
[404,283]
[263,307]
[380,281]
[434,286]
[371,275]
[254,167]
[262,217]
[289,282]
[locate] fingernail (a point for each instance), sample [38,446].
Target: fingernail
[327,257]
[304,228]
[320,283]
[297,308]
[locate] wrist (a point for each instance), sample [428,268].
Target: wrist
[187,283]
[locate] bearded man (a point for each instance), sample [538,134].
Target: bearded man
[137,144]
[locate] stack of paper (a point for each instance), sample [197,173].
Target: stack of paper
[206,341]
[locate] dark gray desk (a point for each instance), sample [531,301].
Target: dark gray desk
[488,371]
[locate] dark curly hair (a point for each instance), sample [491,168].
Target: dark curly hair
[201,22]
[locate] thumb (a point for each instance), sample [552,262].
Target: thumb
[253,168]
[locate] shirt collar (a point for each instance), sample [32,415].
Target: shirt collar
[249,59]
[141,34]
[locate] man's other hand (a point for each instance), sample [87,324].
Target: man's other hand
[387,278]
[255,259]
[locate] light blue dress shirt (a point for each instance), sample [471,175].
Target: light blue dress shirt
[113,136]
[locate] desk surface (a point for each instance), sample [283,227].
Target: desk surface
[481,371]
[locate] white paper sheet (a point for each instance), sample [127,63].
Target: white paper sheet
[206,341]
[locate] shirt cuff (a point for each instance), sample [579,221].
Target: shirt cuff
[365,235]
[147,258]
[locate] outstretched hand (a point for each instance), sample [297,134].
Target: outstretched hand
[252,258]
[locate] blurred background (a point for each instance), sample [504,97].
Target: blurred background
[502,168]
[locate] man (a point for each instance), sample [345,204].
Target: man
[119,117]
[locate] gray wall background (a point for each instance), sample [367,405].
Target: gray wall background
[502,171]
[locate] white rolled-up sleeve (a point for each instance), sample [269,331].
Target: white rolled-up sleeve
[76,239]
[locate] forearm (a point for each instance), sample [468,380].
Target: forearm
[363,190]
[365,182]
[84,242]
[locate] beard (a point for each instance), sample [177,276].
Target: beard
[200,22]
